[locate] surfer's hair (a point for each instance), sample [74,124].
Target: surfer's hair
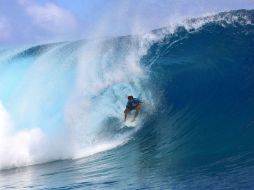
[130,97]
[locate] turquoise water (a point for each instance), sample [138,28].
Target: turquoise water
[60,110]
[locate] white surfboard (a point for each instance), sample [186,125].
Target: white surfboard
[130,123]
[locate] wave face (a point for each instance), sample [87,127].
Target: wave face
[205,86]
[66,100]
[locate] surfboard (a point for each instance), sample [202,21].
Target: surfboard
[130,123]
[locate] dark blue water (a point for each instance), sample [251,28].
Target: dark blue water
[199,135]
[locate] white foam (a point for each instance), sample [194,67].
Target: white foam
[100,94]
[100,89]
[16,149]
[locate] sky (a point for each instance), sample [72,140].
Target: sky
[24,22]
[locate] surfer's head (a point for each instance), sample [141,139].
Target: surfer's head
[130,98]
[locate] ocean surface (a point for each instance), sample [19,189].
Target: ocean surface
[61,110]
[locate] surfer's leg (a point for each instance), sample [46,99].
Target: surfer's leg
[126,111]
[137,112]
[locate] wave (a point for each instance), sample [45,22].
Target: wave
[204,80]
[66,100]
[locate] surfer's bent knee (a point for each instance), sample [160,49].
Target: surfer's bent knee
[126,111]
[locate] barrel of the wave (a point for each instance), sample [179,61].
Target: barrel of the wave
[204,81]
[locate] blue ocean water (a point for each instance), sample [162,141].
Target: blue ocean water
[61,110]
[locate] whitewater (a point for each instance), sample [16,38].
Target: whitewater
[61,109]
[53,95]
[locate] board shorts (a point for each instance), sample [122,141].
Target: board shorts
[132,107]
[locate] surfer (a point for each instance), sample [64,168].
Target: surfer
[133,103]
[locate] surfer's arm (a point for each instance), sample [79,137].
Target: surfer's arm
[141,102]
